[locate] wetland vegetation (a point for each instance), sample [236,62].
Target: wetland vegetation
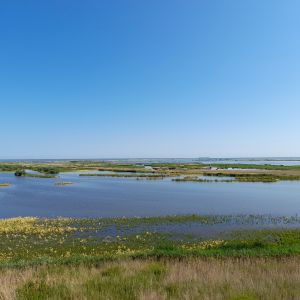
[66,258]
[236,172]
[255,166]
[64,183]
[137,176]
[23,173]
[267,178]
[145,257]
[230,279]
[33,241]
[5,184]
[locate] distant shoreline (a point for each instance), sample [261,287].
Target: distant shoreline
[179,159]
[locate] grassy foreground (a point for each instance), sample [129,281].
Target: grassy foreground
[149,258]
[232,279]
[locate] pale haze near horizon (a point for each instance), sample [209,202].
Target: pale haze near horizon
[149,79]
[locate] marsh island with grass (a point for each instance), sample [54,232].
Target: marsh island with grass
[5,184]
[235,172]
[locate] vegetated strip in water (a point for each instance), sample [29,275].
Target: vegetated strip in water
[255,166]
[202,219]
[5,184]
[222,166]
[241,178]
[69,166]
[258,177]
[197,179]
[195,218]
[40,176]
[66,166]
[23,173]
[32,241]
[145,176]
[51,169]
[128,170]
[158,170]
[64,183]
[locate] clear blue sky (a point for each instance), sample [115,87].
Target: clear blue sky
[171,78]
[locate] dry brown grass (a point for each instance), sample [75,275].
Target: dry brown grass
[188,279]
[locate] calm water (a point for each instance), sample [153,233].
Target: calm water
[104,197]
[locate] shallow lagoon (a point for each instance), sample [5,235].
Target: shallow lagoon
[108,197]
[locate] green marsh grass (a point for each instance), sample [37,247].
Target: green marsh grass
[67,258]
[194,278]
[34,241]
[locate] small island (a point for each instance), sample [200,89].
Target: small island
[5,185]
[64,183]
[23,173]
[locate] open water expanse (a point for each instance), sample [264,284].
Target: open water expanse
[110,197]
